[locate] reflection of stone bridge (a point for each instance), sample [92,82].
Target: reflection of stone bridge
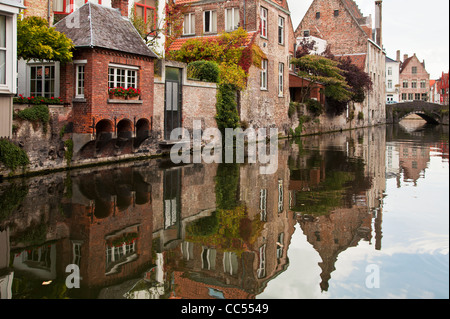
[430,112]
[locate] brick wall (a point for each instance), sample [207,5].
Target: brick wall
[96,104]
[408,75]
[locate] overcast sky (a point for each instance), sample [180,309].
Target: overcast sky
[411,26]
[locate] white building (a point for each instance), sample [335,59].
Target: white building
[8,62]
[392,81]
[319,44]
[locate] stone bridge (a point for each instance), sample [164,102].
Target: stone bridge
[430,112]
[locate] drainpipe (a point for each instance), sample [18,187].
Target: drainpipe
[48,14]
[245,15]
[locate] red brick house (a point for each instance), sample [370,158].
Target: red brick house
[414,80]
[265,101]
[109,53]
[442,87]
[351,34]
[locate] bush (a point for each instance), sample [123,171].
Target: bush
[12,156]
[314,107]
[360,116]
[35,113]
[204,71]
[227,115]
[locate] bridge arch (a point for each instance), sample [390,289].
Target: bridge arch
[430,112]
[431,119]
[125,129]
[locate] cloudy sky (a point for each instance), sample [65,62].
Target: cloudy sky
[411,26]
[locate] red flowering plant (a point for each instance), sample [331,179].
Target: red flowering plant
[118,91]
[132,92]
[20,99]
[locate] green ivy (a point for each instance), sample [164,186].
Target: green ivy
[227,115]
[69,151]
[12,156]
[36,113]
[204,71]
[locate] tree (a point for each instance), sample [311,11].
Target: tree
[326,71]
[35,40]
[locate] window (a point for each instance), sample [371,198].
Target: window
[317,15]
[68,6]
[390,70]
[423,84]
[264,66]
[146,9]
[280,79]
[210,21]
[79,85]
[414,70]
[189,24]
[403,96]
[281,30]
[122,77]
[231,19]
[410,96]
[424,97]
[336,13]
[405,84]
[42,80]
[306,33]
[264,17]
[389,84]
[417,96]
[2,49]
[414,84]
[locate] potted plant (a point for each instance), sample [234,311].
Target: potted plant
[118,93]
[133,94]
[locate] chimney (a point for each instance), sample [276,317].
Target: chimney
[378,22]
[121,5]
[405,57]
[398,56]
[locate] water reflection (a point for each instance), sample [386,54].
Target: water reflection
[154,230]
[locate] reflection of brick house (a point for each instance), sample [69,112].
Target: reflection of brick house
[108,53]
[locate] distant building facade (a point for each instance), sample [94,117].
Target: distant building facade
[392,81]
[414,80]
[442,87]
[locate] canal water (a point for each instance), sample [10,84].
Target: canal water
[355,214]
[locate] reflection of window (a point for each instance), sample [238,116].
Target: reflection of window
[122,77]
[187,250]
[263,204]
[42,80]
[280,196]
[189,24]
[230,263]
[76,251]
[215,293]
[231,19]
[208,258]
[280,245]
[261,272]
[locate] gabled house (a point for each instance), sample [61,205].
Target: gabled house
[109,53]
[349,33]
[265,101]
[414,79]
[442,87]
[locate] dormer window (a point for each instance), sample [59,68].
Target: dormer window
[317,15]
[336,13]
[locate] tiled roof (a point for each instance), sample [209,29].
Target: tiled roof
[178,43]
[359,60]
[94,25]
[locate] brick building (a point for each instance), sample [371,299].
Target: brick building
[265,101]
[350,34]
[108,53]
[414,79]
[442,88]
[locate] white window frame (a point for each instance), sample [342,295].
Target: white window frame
[281,28]
[79,64]
[9,85]
[280,79]
[264,19]
[127,69]
[191,25]
[234,24]
[212,21]
[4,51]
[264,73]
